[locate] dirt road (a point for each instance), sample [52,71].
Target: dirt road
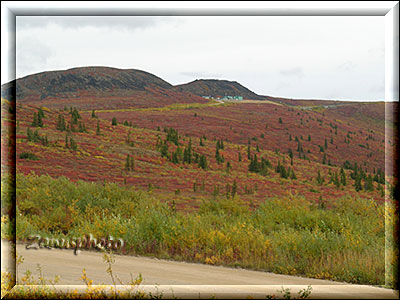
[184,279]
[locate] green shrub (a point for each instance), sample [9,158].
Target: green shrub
[289,235]
[28,155]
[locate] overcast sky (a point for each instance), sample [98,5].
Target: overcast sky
[295,57]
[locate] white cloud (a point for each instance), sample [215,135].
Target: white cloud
[32,54]
[79,22]
[297,72]
[295,57]
[347,66]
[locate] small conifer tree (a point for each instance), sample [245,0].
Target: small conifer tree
[35,120]
[98,128]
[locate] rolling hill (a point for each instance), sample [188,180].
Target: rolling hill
[353,129]
[96,87]
[217,88]
[125,144]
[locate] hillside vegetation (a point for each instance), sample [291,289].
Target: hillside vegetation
[289,235]
[179,160]
[294,189]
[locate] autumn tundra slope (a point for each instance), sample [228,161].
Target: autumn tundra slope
[238,183]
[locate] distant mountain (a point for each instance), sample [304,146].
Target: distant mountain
[91,87]
[112,88]
[217,88]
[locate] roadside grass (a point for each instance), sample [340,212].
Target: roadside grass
[287,235]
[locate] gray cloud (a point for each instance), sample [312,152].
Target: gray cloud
[377,51]
[378,89]
[302,63]
[282,86]
[347,66]
[200,75]
[31,54]
[78,22]
[297,72]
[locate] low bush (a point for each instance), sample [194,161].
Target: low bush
[288,235]
[28,155]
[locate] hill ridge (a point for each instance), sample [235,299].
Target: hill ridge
[91,79]
[96,86]
[217,88]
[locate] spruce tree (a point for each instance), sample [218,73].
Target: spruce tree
[219,158]
[36,136]
[40,112]
[174,157]
[368,185]
[336,180]
[283,172]
[35,120]
[75,116]
[343,180]
[228,167]
[278,167]
[291,156]
[203,162]
[172,136]
[320,179]
[61,123]
[132,163]
[29,134]
[293,175]
[357,183]
[201,142]
[164,149]
[128,163]
[98,128]
[73,144]
[234,189]
[215,191]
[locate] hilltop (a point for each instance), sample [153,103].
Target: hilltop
[217,88]
[96,87]
[104,87]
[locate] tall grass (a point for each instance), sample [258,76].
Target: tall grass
[288,235]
